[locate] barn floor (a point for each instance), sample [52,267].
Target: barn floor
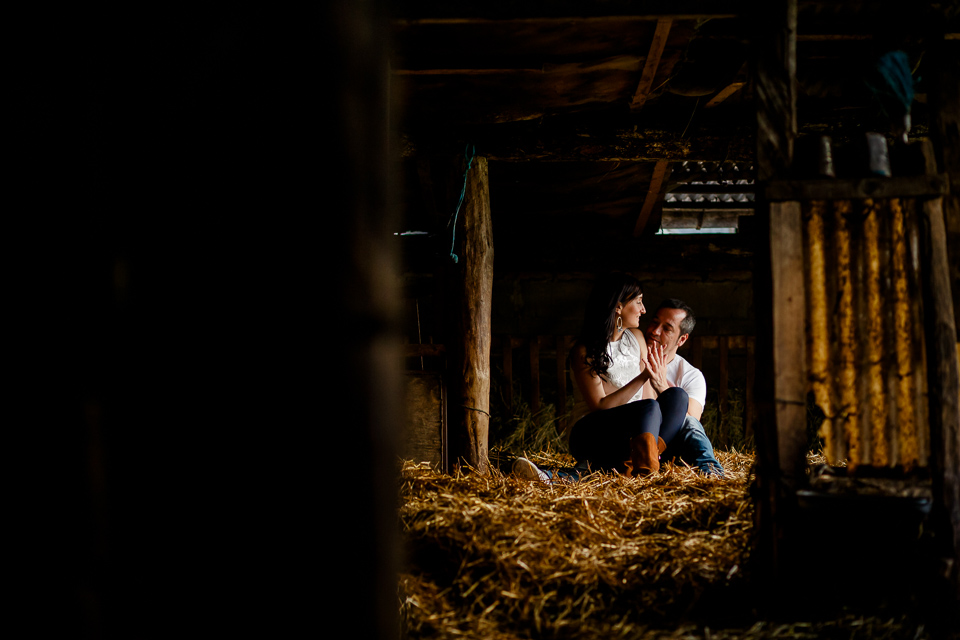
[609,557]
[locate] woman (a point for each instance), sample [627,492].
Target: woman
[618,425]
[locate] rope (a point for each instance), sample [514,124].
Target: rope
[468,154]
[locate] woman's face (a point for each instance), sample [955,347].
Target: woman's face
[631,311]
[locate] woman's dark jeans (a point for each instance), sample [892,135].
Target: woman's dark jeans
[603,437]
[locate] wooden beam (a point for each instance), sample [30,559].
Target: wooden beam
[653,196]
[525,142]
[476,11]
[650,65]
[899,187]
[723,94]
[475,283]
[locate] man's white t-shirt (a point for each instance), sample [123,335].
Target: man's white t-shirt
[686,376]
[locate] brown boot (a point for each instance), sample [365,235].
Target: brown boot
[646,449]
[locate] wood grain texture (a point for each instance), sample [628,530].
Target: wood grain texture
[476,282]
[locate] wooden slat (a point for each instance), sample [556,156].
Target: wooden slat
[649,72]
[724,93]
[653,197]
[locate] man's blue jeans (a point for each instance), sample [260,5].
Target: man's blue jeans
[693,446]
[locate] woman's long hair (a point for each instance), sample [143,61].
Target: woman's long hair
[600,317]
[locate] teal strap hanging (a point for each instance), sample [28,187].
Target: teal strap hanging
[468,154]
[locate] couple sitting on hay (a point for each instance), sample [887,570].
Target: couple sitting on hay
[636,399]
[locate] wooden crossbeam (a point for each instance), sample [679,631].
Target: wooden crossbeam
[724,93]
[652,62]
[653,196]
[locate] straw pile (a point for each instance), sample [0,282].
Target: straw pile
[613,557]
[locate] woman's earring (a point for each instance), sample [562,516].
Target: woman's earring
[619,323]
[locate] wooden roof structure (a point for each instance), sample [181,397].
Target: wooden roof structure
[586,110]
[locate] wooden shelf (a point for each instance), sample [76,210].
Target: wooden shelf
[830,189]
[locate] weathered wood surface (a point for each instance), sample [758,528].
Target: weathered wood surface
[775,71]
[475,276]
[865,336]
[425,406]
[944,98]
[943,381]
[651,63]
[654,196]
[773,67]
[876,188]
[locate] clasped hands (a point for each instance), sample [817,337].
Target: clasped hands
[657,368]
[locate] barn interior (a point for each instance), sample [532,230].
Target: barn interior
[654,140]
[213,198]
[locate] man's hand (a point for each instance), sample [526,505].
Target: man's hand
[657,368]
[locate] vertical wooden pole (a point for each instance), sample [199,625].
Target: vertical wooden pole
[475,270]
[944,99]
[778,298]
[943,383]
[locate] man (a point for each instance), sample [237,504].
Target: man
[667,331]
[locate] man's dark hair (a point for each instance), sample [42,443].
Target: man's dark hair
[689,321]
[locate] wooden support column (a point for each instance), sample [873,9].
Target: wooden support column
[778,286]
[471,383]
[944,101]
[943,383]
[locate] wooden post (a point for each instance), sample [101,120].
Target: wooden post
[943,383]
[944,99]
[778,296]
[472,342]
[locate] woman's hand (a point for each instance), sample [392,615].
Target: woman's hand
[657,368]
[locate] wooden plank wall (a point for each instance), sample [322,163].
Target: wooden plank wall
[865,342]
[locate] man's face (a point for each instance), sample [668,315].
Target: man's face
[664,328]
